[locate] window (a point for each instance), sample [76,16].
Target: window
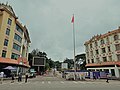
[5,42]
[106,70]
[18,38]
[104,59]
[9,21]
[92,60]
[116,37]
[110,58]
[91,53]
[97,60]
[91,45]
[87,47]
[113,72]
[3,53]
[96,44]
[88,61]
[14,56]
[19,29]
[102,42]
[107,40]
[118,57]
[109,49]
[7,31]
[26,54]
[16,47]
[103,50]
[87,54]
[117,46]
[97,52]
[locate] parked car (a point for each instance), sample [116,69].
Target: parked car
[32,73]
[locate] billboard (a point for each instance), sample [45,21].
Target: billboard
[38,61]
[64,66]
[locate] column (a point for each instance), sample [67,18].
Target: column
[117,71]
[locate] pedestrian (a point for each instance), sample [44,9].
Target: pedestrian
[107,76]
[12,75]
[26,77]
[2,76]
[19,77]
[94,77]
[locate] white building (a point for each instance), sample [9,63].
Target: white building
[103,53]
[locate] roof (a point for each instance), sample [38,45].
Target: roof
[13,61]
[8,8]
[97,37]
[104,64]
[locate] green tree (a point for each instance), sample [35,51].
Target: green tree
[57,65]
[36,52]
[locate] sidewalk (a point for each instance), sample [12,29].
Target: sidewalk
[10,78]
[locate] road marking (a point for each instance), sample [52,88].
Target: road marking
[62,82]
[43,82]
[27,82]
[75,82]
[21,82]
[49,82]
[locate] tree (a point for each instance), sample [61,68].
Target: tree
[36,52]
[47,67]
[58,65]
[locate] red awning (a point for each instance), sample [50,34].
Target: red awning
[13,61]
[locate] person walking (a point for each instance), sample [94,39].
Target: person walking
[2,76]
[107,76]
[94,77]
[26,77]
[19,77]
[12,75]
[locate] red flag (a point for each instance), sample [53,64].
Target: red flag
[72,21]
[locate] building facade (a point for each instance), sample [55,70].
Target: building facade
[103,53]
[14,39]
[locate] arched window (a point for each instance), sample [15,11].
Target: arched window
[96,44]
[116,37]
[107,40]
[102,41]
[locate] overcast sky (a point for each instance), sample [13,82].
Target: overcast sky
[50,27]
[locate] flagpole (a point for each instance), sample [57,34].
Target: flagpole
[74,47]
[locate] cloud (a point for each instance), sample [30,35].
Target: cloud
[50,28]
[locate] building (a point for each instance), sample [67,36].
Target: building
[103,53]
[14,40]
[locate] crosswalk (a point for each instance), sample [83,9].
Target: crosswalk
[47,82]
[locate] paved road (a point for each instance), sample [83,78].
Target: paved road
[53,83]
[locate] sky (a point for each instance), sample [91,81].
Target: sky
[50,28]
